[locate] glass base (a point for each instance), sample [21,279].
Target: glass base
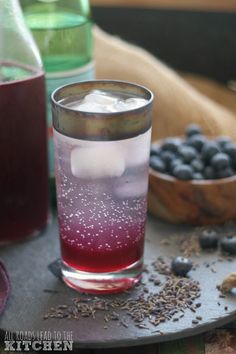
[98,283]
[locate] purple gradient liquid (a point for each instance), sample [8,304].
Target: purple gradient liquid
[104,234]
[102,219]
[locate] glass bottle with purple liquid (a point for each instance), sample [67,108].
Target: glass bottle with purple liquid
[23,152]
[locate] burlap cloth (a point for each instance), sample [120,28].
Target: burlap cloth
[177,102]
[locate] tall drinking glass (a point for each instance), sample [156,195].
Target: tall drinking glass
[102,132]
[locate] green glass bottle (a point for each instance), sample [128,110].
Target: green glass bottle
[63,31]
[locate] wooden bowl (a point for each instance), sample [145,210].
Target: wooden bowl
[201,202]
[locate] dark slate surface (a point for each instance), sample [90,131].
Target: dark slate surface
[28,262]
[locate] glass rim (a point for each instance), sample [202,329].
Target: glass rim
[101,81]
[101,125]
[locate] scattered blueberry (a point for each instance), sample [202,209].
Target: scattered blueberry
[184,172]
[209,150]
[187,153]
[197,141]
[157,164]
[208,239]
[181,266]
[209,173]
[197,165]
[228,244]
[193,129]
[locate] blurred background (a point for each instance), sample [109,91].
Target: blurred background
[197,36]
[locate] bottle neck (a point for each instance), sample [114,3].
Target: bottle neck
[9,11]
[16,41]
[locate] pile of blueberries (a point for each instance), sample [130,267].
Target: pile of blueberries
[195,156]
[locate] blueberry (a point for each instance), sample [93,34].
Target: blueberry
[227,172]
[209,150]
[157,164]
[230,149]
[184,172]
[228,244]
[187,153]
[181,266]
[193,129]
[174,163]
[208,239]
[198,175]
[197,141]
[209,173]
[155,149]
[167,157]
[171,144]
[220,161]
[222,141]
[197,165]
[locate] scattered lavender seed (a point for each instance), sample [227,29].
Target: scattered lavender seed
[192,309]
[157,282]
[198,304]
[142,326]
[124,324]
[199,318]
[176,295]
[50,291]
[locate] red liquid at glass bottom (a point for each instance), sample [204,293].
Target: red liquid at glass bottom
[91,258]
[23,154]
[98,257]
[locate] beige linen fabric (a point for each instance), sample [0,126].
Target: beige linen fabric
[177,103]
